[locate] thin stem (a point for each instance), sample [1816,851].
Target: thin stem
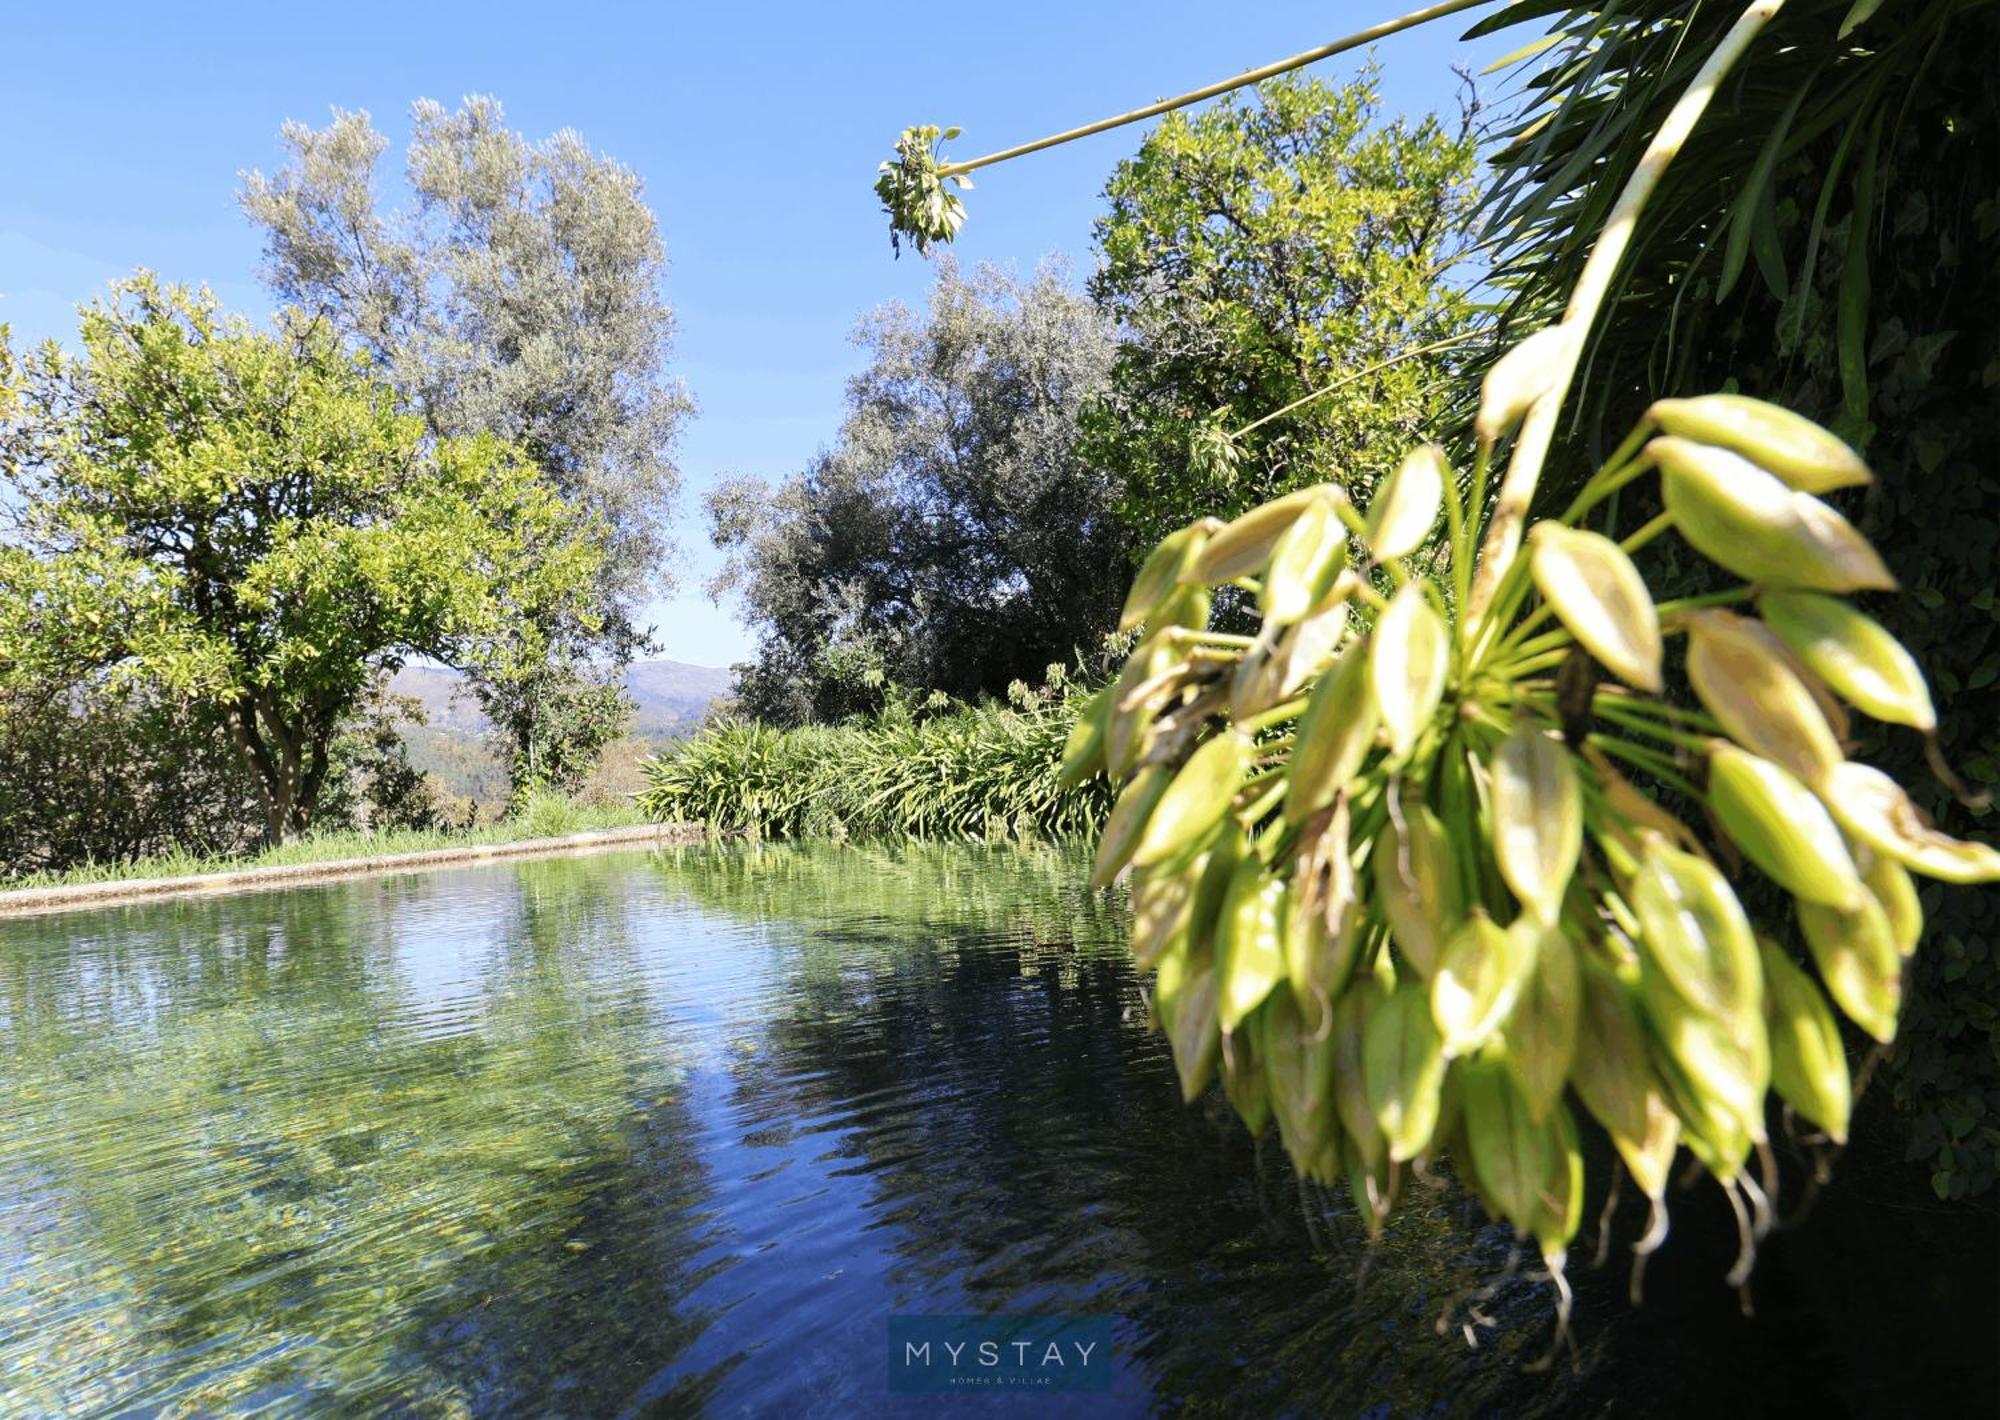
[1345,380]
[1209,91]
[1462,558]
[1528,665]
[1650,761]
[1508,652]
[1376,601]
[1454,527]
[1276,715]
[1640,724]
[1272,797]
[1734,594]
[1645,705]
[1647,533]
[1531,447]
[1616,473]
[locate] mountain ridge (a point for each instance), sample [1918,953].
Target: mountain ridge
[669,697]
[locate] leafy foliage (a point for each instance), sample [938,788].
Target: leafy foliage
[371,784]
[914,194]
[243,521]
[1254,253]
[558,722]
[520,298]
[967,773]
[952,540]
[1823,238]
[102,771]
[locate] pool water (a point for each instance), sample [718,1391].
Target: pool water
[671,1132]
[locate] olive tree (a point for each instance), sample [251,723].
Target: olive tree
[519,296]
[952,539]
[243,520]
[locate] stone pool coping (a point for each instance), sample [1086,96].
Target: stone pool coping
[23,901]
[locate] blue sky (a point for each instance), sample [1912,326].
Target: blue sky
[756,127]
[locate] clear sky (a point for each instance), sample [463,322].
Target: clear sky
[756,127]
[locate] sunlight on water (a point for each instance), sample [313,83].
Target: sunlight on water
[653,1133]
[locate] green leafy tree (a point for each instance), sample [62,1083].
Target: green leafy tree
[559,724]
[1256,252]
[244,521]
[519,297]
[98,771]
[953,539]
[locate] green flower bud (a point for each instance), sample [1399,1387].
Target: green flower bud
[1480,974]
[1323,917]
[1409,659]
[1512,1156]
[1873,807]
[1162,906]
[1164,569]
[1197,800]
[1333,737]
[1781,827]
[1417,887]
[1541,1032]
[1350,1089]
[1756,699]
[1083,751]
[1305,560]
[1241,548]
[1519,378]
[1855,951]
[1853,654]
[1617,1083]
[1299,1064]
[1598,594]
[1127,823]
[1747,521]
[1694,937]
[1788,446]
[1537,818]
[1808,1063]
[1406,506]
[1403,1066]
[1250,951]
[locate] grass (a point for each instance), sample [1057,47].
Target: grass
[975,773]
[547,816]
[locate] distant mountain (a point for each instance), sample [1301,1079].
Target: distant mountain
[673,696]
[670,697]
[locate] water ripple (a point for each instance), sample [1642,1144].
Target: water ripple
[646,1134]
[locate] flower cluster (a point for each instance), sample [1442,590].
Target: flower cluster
[1419,882]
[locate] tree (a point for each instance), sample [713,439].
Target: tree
[952,539]
[102,771]
[1252,254]
[519,298]
[244,521]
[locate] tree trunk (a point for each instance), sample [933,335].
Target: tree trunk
[277,774]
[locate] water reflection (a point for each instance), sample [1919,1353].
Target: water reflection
[658,1134]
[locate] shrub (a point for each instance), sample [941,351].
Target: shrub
[972,772]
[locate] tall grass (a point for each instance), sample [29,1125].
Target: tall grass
[985,772]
